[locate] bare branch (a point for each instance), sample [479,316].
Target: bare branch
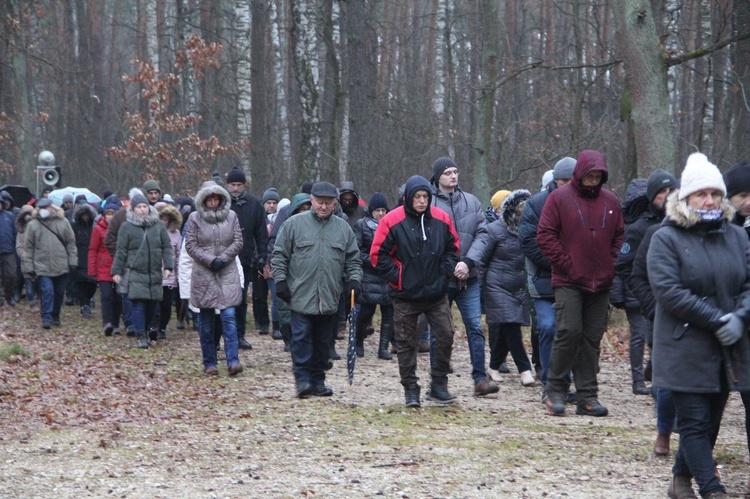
[695,54]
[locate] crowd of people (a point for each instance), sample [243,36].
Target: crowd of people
[675,256]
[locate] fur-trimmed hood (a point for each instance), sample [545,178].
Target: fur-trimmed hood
[80,209]
[23,217]
[151,219]
[210,216]
[679,214]
[54,212]
[509,207]
[175,217]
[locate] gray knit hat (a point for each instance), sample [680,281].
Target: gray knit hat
[564,169]
[270,195]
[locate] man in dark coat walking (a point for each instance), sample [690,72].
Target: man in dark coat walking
[252,219]
[580,232]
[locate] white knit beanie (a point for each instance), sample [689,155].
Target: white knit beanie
[699,174]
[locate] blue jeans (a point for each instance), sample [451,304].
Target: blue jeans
[468,300]
[208,342]
[127,312]
[51,294]
[141,313]
[545,323]
[311,337]
[699,419]
[665,411]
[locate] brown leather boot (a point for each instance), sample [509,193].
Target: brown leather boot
[681,487]
[661,446]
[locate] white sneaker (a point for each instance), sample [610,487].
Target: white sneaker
[494,375]
[527,379]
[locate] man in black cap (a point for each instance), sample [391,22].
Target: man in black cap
[313,250]
[252,220]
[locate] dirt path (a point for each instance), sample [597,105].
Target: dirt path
[82,415]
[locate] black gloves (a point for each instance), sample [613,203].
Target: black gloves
[283,291]
[217,264]
[354,286]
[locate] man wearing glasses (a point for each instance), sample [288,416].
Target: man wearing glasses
[313,251]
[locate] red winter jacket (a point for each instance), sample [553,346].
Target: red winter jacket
[581,230]
[100,261]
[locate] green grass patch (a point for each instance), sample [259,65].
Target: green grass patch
[8,351]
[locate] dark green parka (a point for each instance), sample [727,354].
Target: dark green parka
[142,245]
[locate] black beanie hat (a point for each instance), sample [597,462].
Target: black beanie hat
[658,181]
[737,178]
[440,165]
[306,187]
[377,200]
[236,174]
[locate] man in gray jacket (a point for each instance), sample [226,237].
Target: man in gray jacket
[468,217]
[313,251]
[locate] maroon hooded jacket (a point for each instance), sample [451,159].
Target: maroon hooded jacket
[581,230]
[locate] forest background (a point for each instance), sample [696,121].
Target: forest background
[368,91]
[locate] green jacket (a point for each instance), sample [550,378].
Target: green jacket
[314,256]
[50,244]
[143,255]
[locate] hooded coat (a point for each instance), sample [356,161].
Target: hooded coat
[214,234]
[581,230]
[83,230]
[99,259]
[698,272]
[506,299]
[174,227]
[355,214]
[416,253]
[142,245]
[50,245]
[7,232]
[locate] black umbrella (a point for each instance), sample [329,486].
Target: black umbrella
[20,194]
[351,352]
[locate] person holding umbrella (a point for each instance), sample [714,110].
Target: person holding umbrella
[313,251]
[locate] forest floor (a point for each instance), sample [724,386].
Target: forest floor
[83,415]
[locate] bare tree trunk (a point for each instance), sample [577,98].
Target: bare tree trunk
[490,65]
[647,75]
[331,104]
[302,36]
[24,137]
[243,49]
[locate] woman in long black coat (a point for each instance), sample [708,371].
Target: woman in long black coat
[506,300]
[698,270]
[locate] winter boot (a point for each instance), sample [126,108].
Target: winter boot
[439,392]
[153,333]
[142,339]
[411,396]
[161,335]
[286,335]
[386,335]
[86,312]
[332,354]
[360,347]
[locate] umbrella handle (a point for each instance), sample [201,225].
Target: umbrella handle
[352,299]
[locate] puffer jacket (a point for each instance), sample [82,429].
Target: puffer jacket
[50,245]
[174,225]
[83,230]
[581,234]
[311,254]
[470,222]
[252,220]
[99,259]
[142,245]
[698,272]
[22,220]
[503,274]
[214,234]
[374,288]
[416,253]
[538,268]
